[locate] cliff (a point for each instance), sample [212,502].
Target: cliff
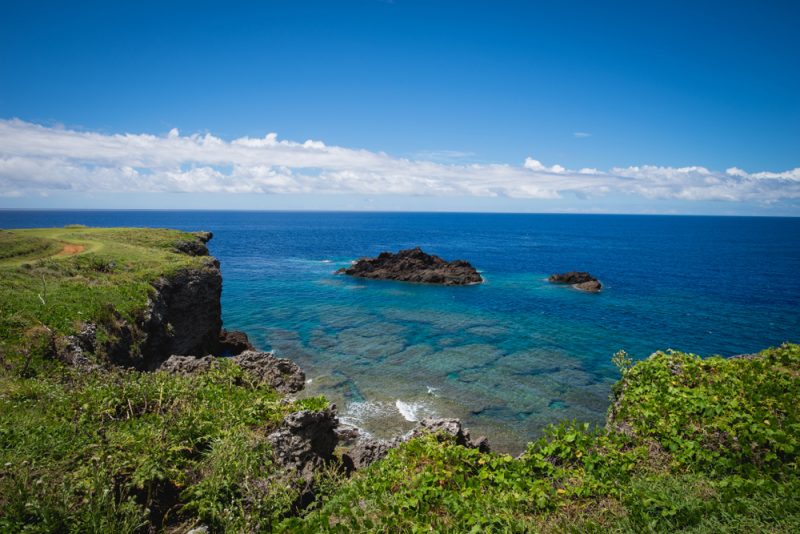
[129,297]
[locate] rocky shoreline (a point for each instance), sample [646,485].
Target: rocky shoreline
[414,265]
[180,332]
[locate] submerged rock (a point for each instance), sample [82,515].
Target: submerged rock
[578,279]
[414,265]
[282,374]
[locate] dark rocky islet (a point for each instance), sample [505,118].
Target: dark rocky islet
[414,265]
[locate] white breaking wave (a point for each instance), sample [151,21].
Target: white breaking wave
[413,411]
[360,414]
[407,410]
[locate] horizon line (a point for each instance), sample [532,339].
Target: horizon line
[422,212]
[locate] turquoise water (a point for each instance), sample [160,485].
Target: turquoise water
[508,356]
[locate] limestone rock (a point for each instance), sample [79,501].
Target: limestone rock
[187,365]
[301,446]
[184,316]
[194,247]
[367,450]
[282,374]
[233,342]
[451,427]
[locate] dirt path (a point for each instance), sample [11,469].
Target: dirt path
[70,249]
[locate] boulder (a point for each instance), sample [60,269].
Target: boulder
[414,265]
[73,350]
[233,342]
[366,450]
[578,279]
[283,375]
[591,286]
[187,365]
[450,427]
[302,446]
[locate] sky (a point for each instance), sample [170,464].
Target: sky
[586,107]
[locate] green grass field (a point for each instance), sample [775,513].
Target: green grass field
[55,279]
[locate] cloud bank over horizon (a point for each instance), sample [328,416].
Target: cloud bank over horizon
[45,160]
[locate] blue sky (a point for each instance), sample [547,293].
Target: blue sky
[458,89]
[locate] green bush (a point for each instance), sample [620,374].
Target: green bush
[113,451]
[702,445]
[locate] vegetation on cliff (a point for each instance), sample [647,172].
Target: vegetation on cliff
[54,280]
[97,448]
[705,445]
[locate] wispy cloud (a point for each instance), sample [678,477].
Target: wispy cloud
[36,159]
[443,155]
[581,135]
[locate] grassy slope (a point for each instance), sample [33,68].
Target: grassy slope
[700,445]
[42,288]
[119,451]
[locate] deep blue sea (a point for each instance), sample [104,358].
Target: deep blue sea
[508,356]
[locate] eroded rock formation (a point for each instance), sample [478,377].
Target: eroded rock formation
[281,374]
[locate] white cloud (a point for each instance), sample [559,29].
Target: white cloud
[536,165]
[36,159]
[581,135]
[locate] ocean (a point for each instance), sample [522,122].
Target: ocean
[509,356]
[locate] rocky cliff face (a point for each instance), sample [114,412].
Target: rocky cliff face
[183,316]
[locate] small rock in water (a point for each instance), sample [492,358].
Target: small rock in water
[578,279]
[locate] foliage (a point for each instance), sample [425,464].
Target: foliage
[723,415]
[114,451]
[111,276]
[669,461]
